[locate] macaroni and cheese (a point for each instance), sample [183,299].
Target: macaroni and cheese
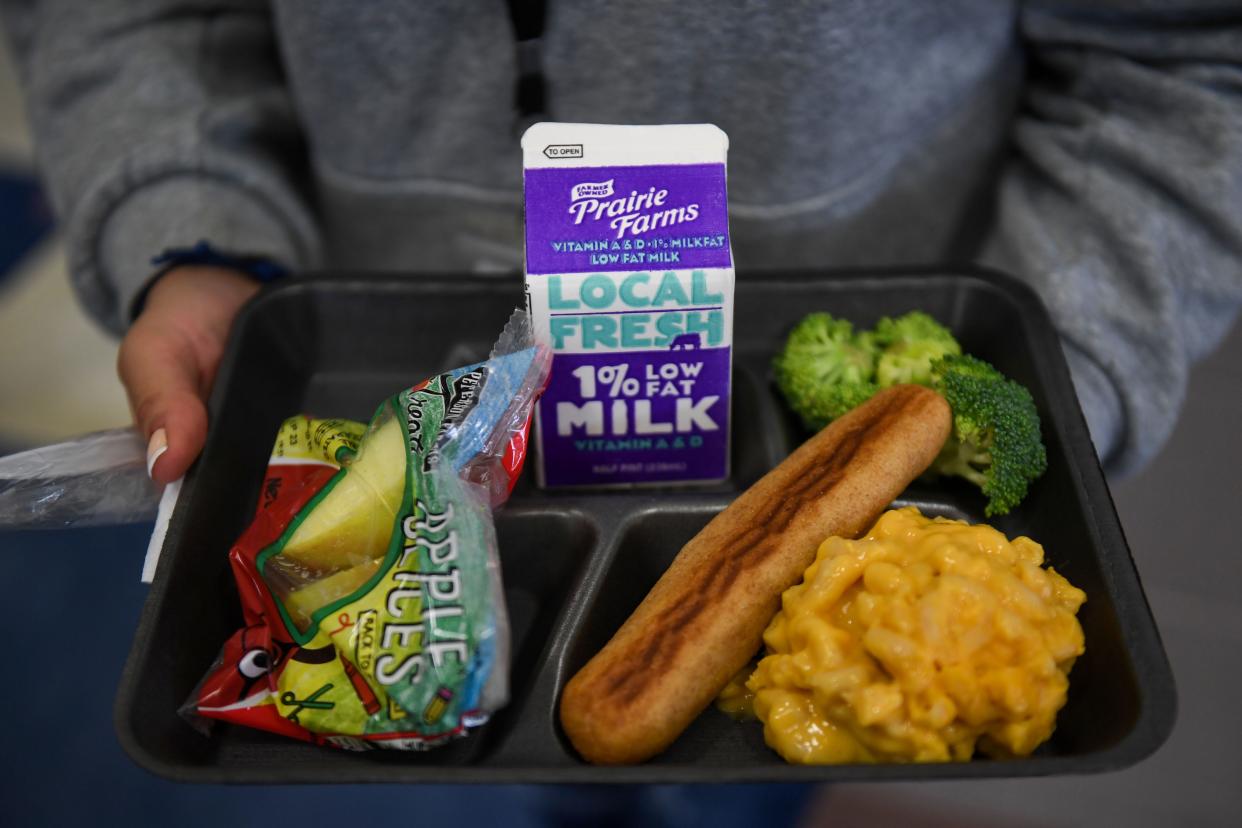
[916,643]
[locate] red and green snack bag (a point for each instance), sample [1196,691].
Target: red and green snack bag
[369,578]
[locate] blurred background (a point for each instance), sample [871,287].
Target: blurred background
[57,367]
[73,599]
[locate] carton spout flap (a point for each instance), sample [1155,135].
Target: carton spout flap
[549,144]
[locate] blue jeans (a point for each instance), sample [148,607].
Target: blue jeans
[671,806]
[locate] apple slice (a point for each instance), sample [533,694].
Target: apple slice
[302,603]
[353,523]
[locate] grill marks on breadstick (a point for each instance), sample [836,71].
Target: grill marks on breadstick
[706,615]
[624,680]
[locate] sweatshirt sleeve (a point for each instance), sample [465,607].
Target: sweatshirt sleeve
[1122,202]
[157,124]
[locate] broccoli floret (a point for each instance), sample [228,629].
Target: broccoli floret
[995,442]
[825,369]
[821,404]
[909,344]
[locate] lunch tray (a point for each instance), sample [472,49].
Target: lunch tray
[576,563]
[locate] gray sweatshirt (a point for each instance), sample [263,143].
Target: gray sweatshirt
[1093,149]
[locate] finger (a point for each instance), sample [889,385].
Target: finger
[185,432]
[162,378]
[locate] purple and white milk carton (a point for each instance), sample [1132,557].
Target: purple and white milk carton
[629,279]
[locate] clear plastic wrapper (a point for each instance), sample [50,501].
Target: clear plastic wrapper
[98,479]
[369,578]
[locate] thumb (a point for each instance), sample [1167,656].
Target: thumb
[162,378]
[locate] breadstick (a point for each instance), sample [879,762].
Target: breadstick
[705,617]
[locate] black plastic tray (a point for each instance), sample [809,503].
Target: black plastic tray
[576,564]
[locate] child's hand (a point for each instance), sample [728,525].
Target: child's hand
[168,361]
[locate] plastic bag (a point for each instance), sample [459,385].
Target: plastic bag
[98,479]
[369,578]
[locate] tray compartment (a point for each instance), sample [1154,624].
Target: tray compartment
[991,323]
[648,543]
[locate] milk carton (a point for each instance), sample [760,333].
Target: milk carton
[629,279]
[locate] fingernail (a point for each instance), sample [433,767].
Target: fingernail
[157,446]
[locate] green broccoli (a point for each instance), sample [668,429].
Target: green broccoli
[995,442]
[909,344]
[825,369]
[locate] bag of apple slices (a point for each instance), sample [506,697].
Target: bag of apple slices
[369,578]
